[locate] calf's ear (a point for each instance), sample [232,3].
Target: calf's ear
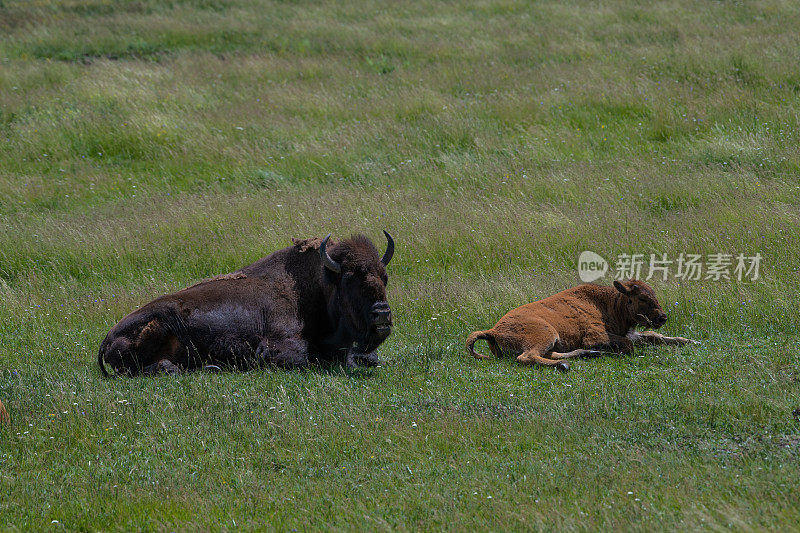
[620,287]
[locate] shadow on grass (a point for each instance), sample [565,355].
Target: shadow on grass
[332,368]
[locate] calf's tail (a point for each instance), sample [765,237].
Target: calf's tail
[474,337]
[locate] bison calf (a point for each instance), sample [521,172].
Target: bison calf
[585,320]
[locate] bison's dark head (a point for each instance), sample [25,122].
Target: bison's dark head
[641,303]
[359,300]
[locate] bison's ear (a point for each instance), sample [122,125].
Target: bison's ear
[620,287]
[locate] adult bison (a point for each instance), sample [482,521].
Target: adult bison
[584,320]
[313,301]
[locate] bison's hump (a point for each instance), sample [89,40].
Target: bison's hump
[305,245]
[232,275]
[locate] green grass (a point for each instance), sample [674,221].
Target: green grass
[149,144]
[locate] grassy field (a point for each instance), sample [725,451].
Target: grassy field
[148,144]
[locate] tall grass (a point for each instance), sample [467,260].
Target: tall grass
[149,144]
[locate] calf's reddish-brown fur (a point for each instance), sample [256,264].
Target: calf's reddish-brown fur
[584,320]
[4,418]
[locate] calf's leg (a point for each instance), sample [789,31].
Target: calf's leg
[580,352]
[652,337]
[595,346]
[536,340]
[531,357]
[608,343]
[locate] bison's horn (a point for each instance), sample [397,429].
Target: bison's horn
[387,256]
[326,259]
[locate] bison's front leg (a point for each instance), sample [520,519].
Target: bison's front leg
[363,359]
[652,337]
[164,365]
[285,352]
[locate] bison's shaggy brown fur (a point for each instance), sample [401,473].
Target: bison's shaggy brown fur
[584,320]
[313,301]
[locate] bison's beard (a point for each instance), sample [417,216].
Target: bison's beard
[365,334]
[373,338]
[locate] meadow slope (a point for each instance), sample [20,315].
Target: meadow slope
[147,144]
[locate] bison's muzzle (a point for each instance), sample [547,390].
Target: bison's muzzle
[380,328]
[382,318]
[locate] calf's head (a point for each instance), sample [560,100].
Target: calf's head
[359,300]
[640,303]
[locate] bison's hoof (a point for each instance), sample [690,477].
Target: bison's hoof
[367,359]
[562,366]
